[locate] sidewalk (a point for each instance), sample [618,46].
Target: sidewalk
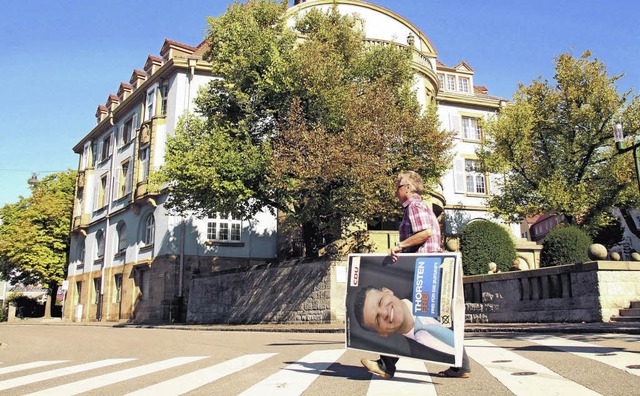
[566,328]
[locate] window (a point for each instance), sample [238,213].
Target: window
[471,128]
[463,84]
[117,283]
[99,244]
[150,105]
[451,83]
[144,276]
[96,288]
[94,154]
[125,179]
[103,191]
[224,227]
[149,230]
[164,93]
[81,250]
[127,130]
[106,148]
[79,290]
[122,237]
[144,163]
[441,79]
[474,176]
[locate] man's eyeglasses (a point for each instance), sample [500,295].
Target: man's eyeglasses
[400,186]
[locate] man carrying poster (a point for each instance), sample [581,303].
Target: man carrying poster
[383,316]
[419,232]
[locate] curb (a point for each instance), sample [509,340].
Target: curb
[470,328]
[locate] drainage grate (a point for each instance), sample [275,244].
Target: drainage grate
[524,373]
[501,361]
[634,366]
[606,354]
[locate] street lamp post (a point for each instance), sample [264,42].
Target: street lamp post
[618,137]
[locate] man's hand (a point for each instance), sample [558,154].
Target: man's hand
[394,252]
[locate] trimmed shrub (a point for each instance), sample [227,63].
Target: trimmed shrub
[565,245]
[483,242]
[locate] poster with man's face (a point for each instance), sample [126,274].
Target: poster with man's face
[413,307]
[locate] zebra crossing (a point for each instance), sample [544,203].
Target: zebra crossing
[500,364]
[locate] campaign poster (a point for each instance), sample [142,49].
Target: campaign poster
[413,307]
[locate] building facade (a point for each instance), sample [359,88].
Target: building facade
[131,259]
[462,105]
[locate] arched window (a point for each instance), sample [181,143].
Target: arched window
[149,230]
[99,244]
[122,237]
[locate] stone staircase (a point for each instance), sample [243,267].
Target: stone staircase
[631,314]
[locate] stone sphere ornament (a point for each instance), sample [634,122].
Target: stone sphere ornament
[635,256]
[615,256]
[452,244]
[597,252]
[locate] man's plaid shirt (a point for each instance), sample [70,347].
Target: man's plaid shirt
[418,216]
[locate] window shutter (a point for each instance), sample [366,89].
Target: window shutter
[454,123]
[116,187]
[99,154]
[121,141]
[130,177]
[96,194]
[134,125]
[458,176]
[107,197]
[111,144]
[494,181]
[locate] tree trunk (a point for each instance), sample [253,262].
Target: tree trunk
[47,306]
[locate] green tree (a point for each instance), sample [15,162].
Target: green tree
[34,234]
[308,120]
[554,145]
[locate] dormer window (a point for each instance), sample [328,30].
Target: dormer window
[463,84]
[451,83]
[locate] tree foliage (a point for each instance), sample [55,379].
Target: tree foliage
[306,119]
[482,242]
[34,234]
[554,144]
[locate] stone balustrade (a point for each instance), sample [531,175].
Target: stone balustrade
[585,292]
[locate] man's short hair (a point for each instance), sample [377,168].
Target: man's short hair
[415,179]
[358,305]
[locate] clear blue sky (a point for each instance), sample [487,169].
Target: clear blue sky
[60,59]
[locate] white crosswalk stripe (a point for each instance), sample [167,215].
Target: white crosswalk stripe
[611,356]
[506,366]
[411,378]
[77,387]
[295,378]
[28,366]
[47,375]
[199,378]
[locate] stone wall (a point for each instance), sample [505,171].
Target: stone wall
[287,292]
[587,292]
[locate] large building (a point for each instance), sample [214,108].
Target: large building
[132,260]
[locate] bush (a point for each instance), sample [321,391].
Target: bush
[565,245]
[482,242]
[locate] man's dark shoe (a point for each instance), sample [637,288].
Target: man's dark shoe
[374,367]
[453,372]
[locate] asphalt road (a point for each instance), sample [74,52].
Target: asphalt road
[95,360]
